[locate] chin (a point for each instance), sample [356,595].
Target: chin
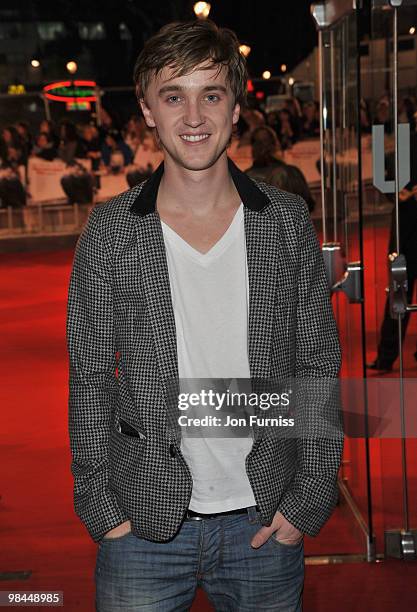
[195,162]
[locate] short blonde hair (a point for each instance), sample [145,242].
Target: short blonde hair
[183,46]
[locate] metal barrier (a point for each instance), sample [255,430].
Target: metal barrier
[43,220]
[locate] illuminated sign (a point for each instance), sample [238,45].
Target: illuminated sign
[74,106]
[16,90]
[71,91]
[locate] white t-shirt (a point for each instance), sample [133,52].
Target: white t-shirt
[210,295]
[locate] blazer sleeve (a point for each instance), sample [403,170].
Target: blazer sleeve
[313,493]
[92,380]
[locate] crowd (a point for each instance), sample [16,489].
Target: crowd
[111,147]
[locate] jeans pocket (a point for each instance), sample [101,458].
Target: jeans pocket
[115,539]
[294,547]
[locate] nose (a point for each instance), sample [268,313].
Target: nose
[193,116]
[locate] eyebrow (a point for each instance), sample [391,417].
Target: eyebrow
[173,88]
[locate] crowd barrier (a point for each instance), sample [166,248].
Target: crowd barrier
[48,212]
[44,181]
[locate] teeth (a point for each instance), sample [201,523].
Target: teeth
[195,138]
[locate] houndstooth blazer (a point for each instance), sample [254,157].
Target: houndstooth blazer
[122,351]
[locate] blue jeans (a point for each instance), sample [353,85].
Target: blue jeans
[136,574]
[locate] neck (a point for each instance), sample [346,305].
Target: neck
[196,191]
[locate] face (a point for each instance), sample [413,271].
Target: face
[193,115]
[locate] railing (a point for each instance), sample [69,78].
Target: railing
[59,219]
[43,220]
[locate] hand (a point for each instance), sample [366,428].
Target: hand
[287,533]
[405,195]
[118,531]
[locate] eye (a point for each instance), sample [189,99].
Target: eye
[212,98]
[173,99]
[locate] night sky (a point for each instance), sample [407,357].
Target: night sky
[278,32]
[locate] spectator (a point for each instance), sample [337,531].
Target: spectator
[147,158]
[290,178]
[48,127]
[273,121]
[148,155]
[253,119]
[77,184]
[26,138]
[109,123]
[115,152]
[135,132]
[287,131]
[265,152]
[90,146]
[242,127]
[69,147]
[310,126]
[11,147]
[406,111]
[45,147]
[293,107]
[382,115]
[12,192]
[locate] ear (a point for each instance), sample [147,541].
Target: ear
[147,113]
[235,114]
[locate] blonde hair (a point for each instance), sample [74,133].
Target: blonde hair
[183,46]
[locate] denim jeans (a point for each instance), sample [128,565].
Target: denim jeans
[136,574]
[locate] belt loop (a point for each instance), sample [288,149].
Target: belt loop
[252,514]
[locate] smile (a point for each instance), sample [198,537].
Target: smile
[194,137]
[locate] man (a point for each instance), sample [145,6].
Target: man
[198,273]
[388,346]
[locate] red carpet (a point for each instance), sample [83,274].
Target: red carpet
[39,530]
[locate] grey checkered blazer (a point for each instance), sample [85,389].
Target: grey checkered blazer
[122,351]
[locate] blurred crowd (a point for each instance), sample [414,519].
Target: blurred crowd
[108,146]
[112,147]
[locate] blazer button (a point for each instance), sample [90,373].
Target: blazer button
[172,450]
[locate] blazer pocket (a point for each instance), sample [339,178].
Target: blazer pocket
[125,451]
[126,429]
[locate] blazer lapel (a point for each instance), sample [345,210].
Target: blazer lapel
[260,235]
[157,292]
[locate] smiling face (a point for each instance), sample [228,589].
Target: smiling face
[193,114]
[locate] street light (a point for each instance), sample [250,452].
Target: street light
[291,81]
[245,50]
[266,74]
[72,67]
[202,9]
[283,67]
[35,63]
[412,30]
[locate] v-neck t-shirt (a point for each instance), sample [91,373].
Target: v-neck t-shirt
[210,296]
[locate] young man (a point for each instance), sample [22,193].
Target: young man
[198,273]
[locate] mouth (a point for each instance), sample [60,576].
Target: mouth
[194,138]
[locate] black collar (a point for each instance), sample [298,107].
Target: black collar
[251,195]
